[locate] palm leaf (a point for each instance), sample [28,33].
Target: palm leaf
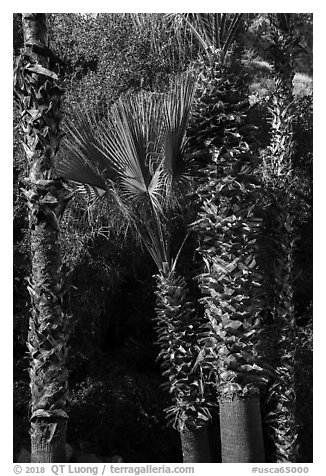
[156,241]
[80,159]
[177,107]
[213,31]
[138,153]
[91,193]
[231,30]
[131,140]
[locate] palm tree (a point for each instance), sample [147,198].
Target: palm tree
[227,228]
[38,95]
[137,155]
[279,182]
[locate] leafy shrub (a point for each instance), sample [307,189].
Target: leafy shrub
[121,412]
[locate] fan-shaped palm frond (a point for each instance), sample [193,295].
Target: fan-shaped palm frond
[138,154]
[80,159]
[140,144]
[131,139]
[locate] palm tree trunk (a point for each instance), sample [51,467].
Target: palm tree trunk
[43,449]
[179,331]
[281,400]
[228,230]
[279,177]
[195,445]
[241,431]
[38,97]
[47,345]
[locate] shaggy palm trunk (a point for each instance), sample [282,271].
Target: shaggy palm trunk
[278,177]
[282,395]
[38,98]
[228,229]
[178,328]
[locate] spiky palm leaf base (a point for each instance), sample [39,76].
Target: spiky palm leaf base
[227,229]
[221,104]
[47,345]
[278,181]
[284,47]
[48,327]
[179,330]
[281,401]
[38,96]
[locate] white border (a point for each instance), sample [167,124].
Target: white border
[318,467]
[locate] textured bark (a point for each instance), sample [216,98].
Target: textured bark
[228,228]
[38,96]
[35,29]
[241,431]
[48,441]
[279,179]
[195,445]
[179,329]
[281,414]
[48,327]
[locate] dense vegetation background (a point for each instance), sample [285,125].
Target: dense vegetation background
[115,403]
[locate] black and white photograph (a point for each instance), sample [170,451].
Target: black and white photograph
[162,241]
